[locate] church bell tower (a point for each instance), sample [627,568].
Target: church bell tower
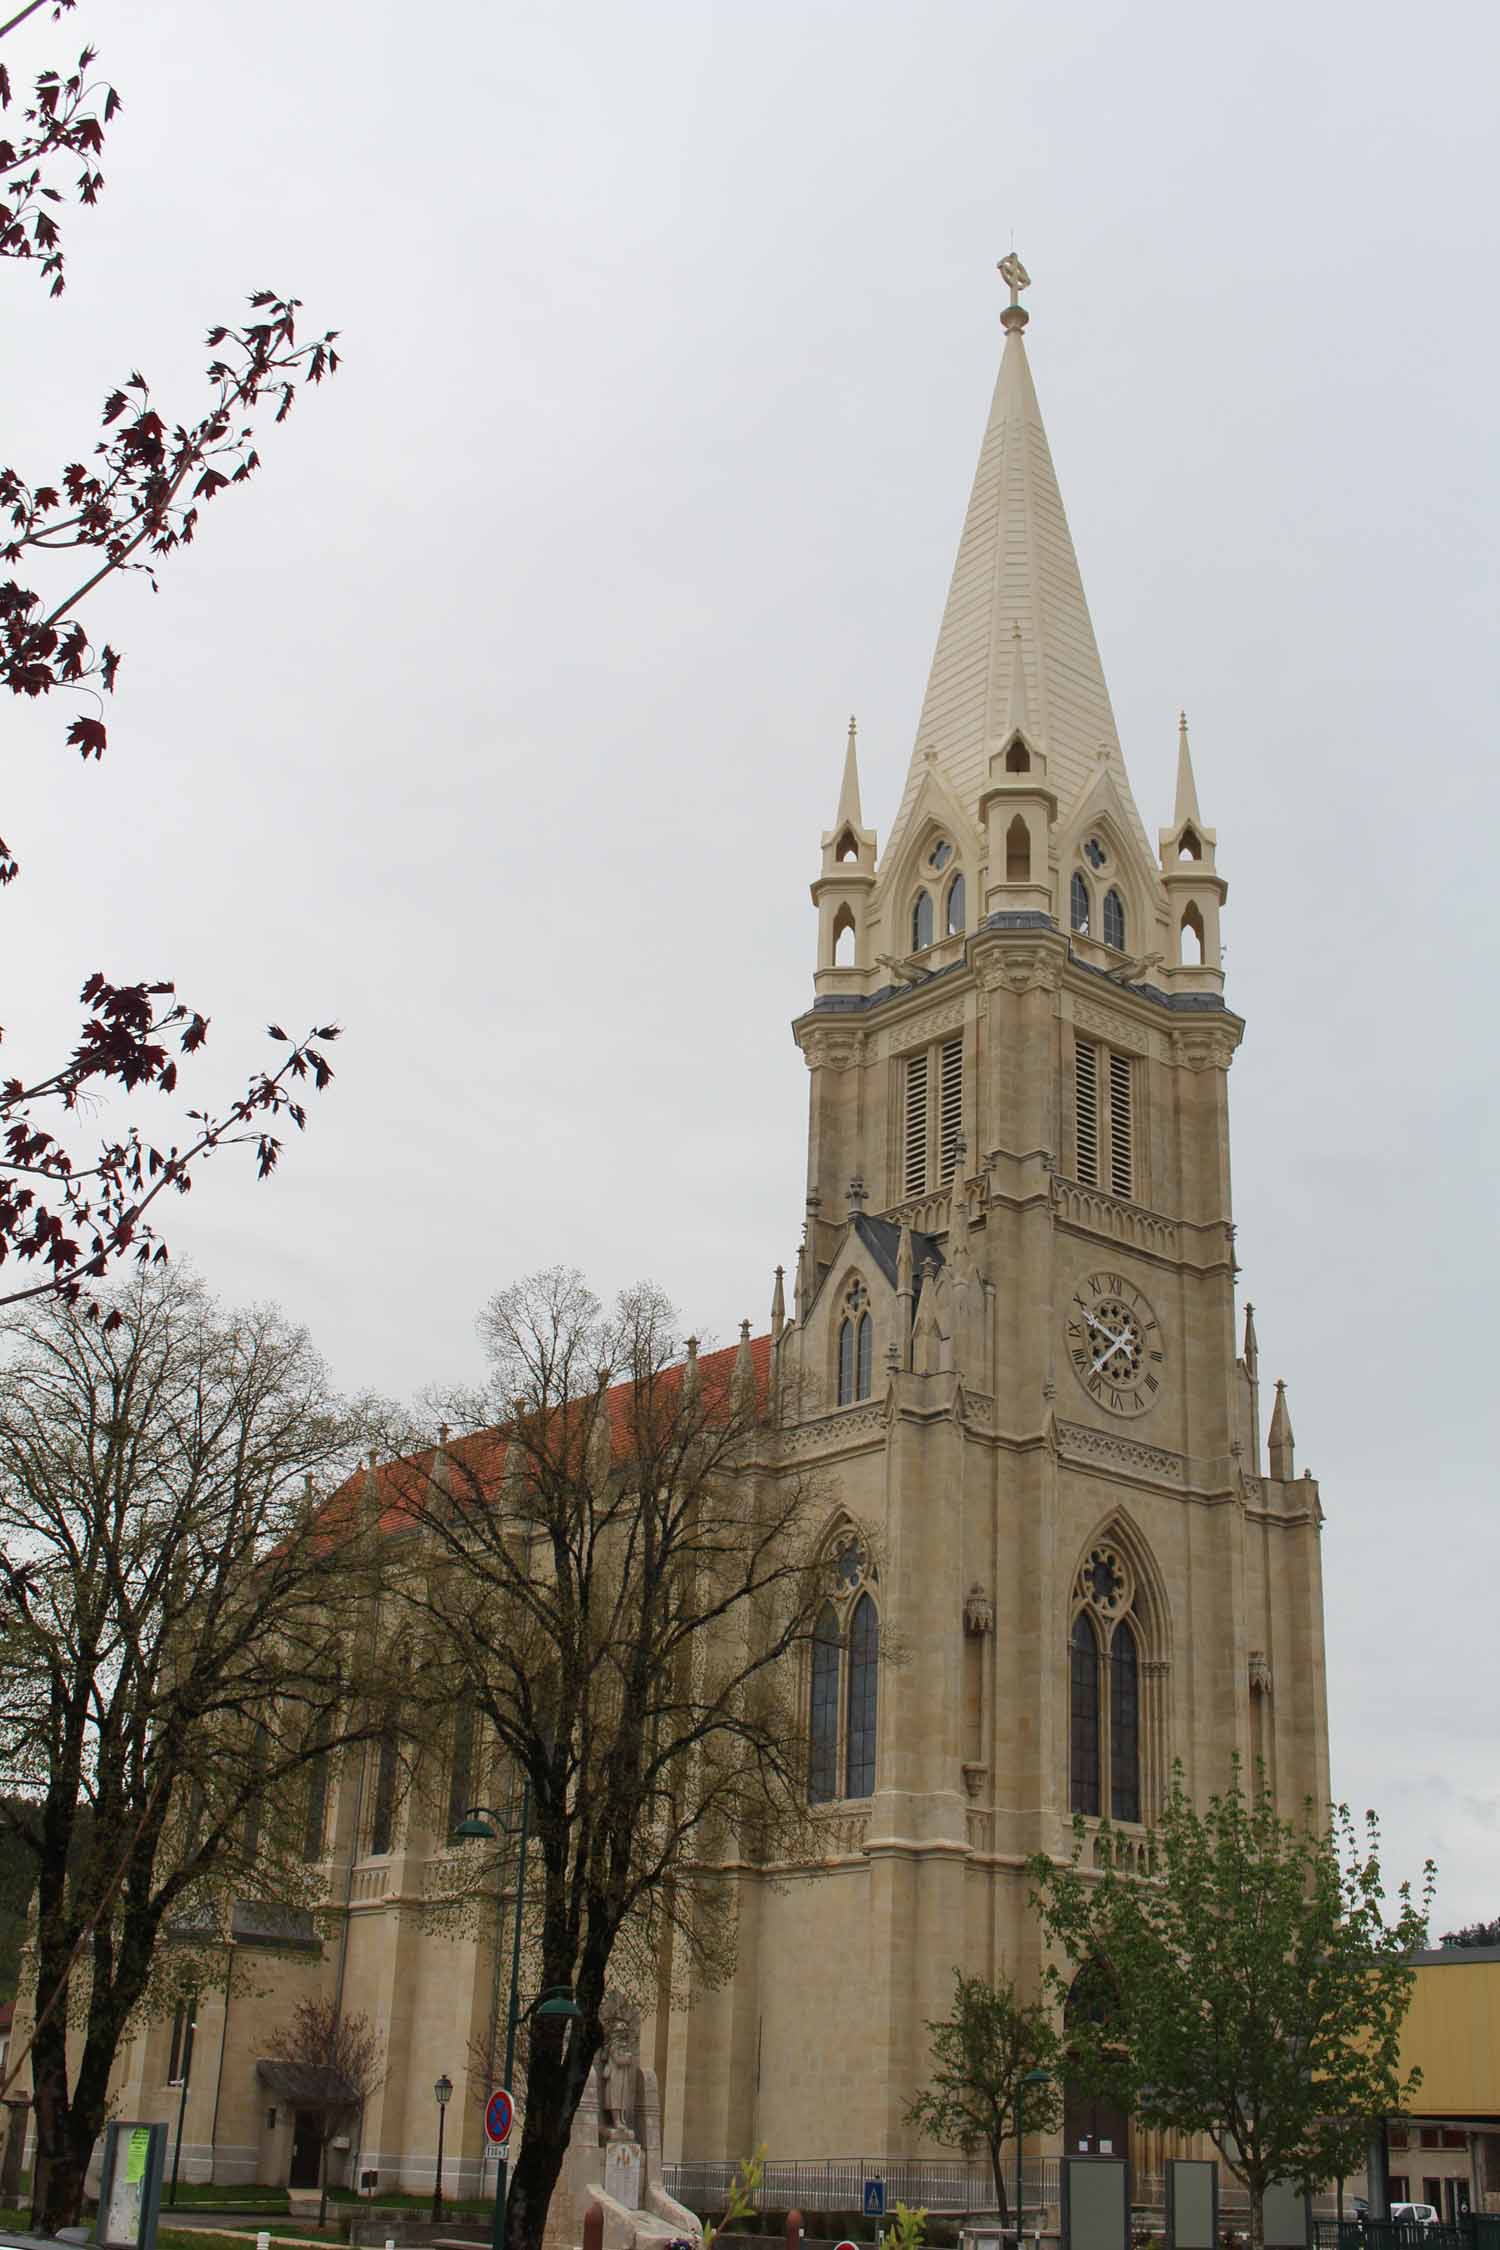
[1015,1354]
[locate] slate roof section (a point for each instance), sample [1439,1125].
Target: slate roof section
[1016,567]
[882,1238]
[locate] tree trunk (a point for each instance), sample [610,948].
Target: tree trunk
[323,2181]
[1257,2187]
[997,2172]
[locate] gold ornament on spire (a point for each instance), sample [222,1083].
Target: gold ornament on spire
[1014,274]
[1011,270]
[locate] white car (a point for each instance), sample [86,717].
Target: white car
[1414,2215]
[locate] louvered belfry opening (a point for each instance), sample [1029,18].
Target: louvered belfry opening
[1086,1110]
[914,1143]
[1121,1170]
[950,1107]
[1104,1118]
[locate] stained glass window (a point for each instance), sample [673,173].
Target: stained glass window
[846,1361]
[1083,1715]
[864,1650]
[823,1728]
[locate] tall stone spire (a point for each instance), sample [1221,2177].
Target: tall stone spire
[1186,807]
[1016,575]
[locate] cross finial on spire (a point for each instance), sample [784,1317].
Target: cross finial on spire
[1014,274]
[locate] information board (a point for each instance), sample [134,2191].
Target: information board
[1095,2203]
[1192,2203]
[1288,2215]
[130,2177]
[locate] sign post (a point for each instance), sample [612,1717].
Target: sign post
[499,2116]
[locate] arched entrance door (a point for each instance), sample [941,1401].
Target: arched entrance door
[1093,2125]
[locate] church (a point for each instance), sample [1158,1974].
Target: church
[1011,1348]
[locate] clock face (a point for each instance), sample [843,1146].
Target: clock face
[1115,1344]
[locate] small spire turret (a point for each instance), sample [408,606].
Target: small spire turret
[1186,808]
[778,1305]
[1281,1440]
[842,892]
[1195,889]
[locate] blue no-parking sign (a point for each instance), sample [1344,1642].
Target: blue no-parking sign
[499,2116]
[874,2199]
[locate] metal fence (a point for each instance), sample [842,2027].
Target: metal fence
[838,2183]
[941,2184]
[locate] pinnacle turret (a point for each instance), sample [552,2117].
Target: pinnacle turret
[1186,807]
[1281,1442]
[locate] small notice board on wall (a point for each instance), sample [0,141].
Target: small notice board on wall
[135,2157]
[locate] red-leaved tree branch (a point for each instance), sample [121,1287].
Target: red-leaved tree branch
[66,118]
[68,1210]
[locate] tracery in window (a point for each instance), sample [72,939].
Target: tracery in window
[864,1651]
[1114,920]
[940,854]
[856,1346]
[921,921]
[1079,897]
[1094,853]
[956,922]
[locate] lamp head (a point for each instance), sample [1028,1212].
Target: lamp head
[443,2090]
[474,1827]
[558,2001]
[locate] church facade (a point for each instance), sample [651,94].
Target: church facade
[1011,1348]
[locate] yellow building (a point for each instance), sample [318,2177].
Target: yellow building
[1013,1349]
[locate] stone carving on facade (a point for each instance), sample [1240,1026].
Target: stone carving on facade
[833,1049]
[916,1031]
[829,1431]
[1260,1673]
[1110,1215]
[979,1612]
[1021,968]
[618,2064]
[1120,1452]
[1120,1031]
[1204,1046]
[614,2151]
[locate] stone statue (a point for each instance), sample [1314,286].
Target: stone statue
[618,2067]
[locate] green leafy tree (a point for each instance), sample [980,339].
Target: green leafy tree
[1259,1983]
[982,2056]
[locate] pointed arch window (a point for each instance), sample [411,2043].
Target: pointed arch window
[1083,1716]
[846,1361]
[823,1717]
[1114,920]
[1105,1688]
[864,1653]
[921,921]
[864,1356]
[1080,903]
[1124,1724]
[956,920]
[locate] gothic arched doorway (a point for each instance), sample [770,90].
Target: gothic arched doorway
[1093,2123]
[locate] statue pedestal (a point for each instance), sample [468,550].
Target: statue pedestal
[623,2164]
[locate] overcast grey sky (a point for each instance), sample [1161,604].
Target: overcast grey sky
[499,719]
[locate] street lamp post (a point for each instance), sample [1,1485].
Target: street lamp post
[187,2071]
[1032,2078]
[443,2094]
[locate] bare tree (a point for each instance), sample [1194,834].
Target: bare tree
[338,2062]
[178,1615]
[619,1578]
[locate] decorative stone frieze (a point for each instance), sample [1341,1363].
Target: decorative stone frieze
[1120,1452]
[1021,968]
[1205,1046]
[833,1050]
